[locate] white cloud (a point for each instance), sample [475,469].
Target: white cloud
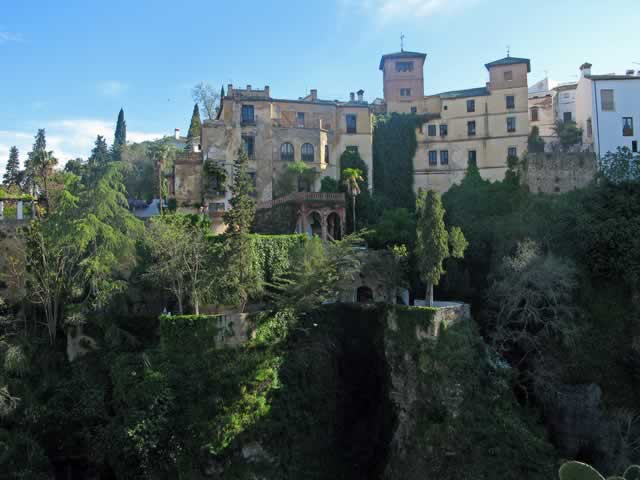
[67,138]
[112,88]
[388,11]
[10,37]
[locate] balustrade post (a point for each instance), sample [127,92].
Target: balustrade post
[19,210]
[33,209]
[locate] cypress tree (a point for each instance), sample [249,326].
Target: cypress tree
[12,173]
[194,128]
[120,137]
[30,165]
[243,207]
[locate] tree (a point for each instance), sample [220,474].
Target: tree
[535,142]
[120,138]
[12,171]
[434,244]
[569,134]
[42,163]
[397,226]
[160,152]
[241,275]
[204,95]
[350,178]
[39,165]
[329,185]
[194,128]
[620,166]
[98,160]
[182,261]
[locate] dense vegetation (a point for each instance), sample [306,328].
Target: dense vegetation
[96,381]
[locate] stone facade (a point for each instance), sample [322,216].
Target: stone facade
[483,125]
[558,172]
[273,132]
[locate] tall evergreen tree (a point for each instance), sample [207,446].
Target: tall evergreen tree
[29,173]
[120,137]
[241,276]
[12,173]
[194,128]
[98,160]
[434,244]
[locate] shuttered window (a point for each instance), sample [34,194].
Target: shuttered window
[607,100]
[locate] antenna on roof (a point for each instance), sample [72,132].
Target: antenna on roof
[402,42]
[508,51]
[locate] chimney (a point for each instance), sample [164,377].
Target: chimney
[352,97]
[230,90]
[585,69]
[360,95]
[248,88]
[314,94]
[267,91]
[630,72]
[176,134]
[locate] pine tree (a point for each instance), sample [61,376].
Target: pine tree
[241,276]
[434,244]
[98,160]
[120,138]
[12,173]
[243,207]
[29,173]
[194,128]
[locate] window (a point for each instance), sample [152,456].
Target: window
[300,119]
[247,114]
[512,152]
[534,114]
[307,152]
[444,157]
[511,124]
[443,130]
[404,66]
[431,130]
[248,145]
[634,146]
[607,101]
[326,153]
[352,148]
[351,123]
[215,207]
[511,102]
[627,126]
[589,128]
[253,177]
[433,158]
[566,117]
[472,159]
[508,76]
[471,128]
[286,152]
[405,92]
[471,105]
[414,110]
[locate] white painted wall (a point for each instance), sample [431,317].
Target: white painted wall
[565,102]
[584,109]
[608,125]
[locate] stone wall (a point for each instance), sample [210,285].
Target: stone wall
[558,172]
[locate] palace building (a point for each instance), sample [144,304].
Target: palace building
[483,125]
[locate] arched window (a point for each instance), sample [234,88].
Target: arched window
[286,152]
[307,152]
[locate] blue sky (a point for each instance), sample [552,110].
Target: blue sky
[69,65]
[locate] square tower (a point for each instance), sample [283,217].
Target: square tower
[403,80]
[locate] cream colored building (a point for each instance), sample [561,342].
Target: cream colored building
[274,133]
[480,125]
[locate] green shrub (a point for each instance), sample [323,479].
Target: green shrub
[578,471]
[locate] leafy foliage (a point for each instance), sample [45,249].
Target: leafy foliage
[12,169]
[621,166]
[535,143]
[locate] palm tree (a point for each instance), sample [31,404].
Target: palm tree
[160,152]
[350,179]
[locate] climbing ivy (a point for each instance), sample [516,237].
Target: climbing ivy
[394,146]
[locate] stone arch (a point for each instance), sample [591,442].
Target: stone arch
[334,226]
[364,294]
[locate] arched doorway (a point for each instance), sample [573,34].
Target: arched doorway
[364,294]
[314,224]
[334,227]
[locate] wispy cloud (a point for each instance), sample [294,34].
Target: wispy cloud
[389,11]
[112,88]
[70,138]
[9,36]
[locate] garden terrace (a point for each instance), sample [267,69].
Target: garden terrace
[13,208]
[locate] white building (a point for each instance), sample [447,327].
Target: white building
[608,110]
[566,101]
